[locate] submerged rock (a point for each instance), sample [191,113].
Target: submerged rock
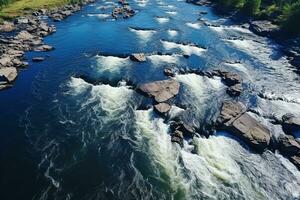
[161,90]
[38,59]
[290,148]
[138,57]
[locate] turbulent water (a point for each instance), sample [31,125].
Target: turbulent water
[71,127]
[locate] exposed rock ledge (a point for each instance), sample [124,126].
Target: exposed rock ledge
[233,118]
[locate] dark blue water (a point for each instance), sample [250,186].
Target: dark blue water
[65,138]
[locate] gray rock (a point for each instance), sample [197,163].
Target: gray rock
[138,57]
[235,90]
[230,111]
[24,35]
[38,59]
[43,48]
[162,108]
[263,28]
[7,27]
[8,74]
[5,61]
[290,123]
[288,145]
[169,72]
[251,131]
[161,90]
[231,79]
[234,119]
[187,130]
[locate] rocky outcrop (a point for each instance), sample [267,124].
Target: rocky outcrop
[7,76]
[263,28]
[138,57]
[290,123]
[124,11]
[161,90]
[230,111]
[234,119]
[290,148]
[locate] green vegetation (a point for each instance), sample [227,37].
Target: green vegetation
[286,13]
[14,8]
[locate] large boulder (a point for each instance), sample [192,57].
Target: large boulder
[251,131]
[138,57]
[24,35]
[161,90]
[290,123]
[8,74]
[288,145]
[230,111]
[7,27]
[263,28]
[234,119]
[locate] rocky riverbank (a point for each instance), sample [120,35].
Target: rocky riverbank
[26,34]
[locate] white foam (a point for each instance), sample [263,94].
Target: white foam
[171,12]
[194,25]
[100,16]
[222,29]
[153,138]
[172,33]
[186,49]
[162,20]
[111,63]
[108,98]
[175,111]
[144,35]
[164,59]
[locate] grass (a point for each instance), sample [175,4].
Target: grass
[21,7]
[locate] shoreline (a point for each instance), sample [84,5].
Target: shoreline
[26,33]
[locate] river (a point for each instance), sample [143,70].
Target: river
[64,138]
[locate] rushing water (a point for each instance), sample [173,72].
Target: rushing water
[63,137]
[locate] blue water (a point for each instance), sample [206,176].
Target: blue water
[65,138]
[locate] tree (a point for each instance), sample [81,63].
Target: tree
[251,7]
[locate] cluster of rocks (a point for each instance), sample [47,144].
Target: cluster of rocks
[26,34]
[124,11]
[235,119]
[230,79]
[162,92]
[58,14]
